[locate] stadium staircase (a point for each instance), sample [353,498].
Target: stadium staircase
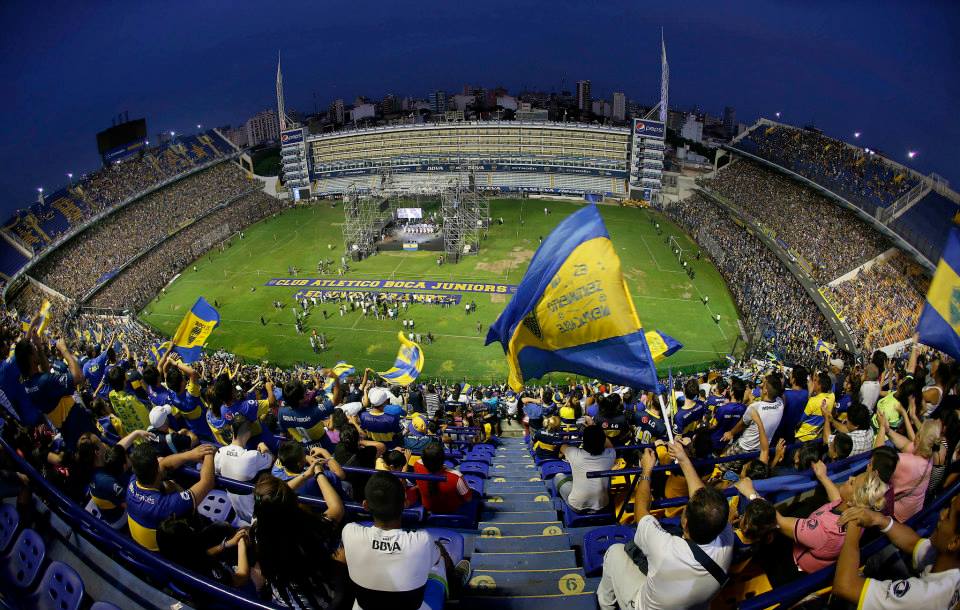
[522,557]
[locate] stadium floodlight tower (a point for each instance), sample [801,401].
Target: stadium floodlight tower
[466,218]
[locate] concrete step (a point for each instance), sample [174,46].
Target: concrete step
[583,601]
[494,516]
[496,529]
[532,560]
[509,544]
[495,487]
[524,583]
[543,502]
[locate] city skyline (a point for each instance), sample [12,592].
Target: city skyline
[802,62]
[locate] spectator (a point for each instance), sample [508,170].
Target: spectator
[595,454]
[133,414]
[236,462]
[213,549]
[821,397]
[767,411]
[660,570]
[151,498]
[442,497]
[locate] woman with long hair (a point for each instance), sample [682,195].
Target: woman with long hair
[299,559]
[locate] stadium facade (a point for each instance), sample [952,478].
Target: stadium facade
[503,156]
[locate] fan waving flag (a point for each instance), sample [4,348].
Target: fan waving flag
[939,324]
[343,370]
[408,365]
[194,330]
[824,348]
[572,312]
[662,345]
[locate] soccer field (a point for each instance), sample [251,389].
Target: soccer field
[665,298]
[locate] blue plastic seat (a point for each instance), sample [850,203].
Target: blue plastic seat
[465,518]
[450,540]
[572,518]
[216,506]
[9,522]
[21,565]
[478,457]
[475,482]
[598,540]
[104,606]
[548,470]
[478,468]
[61,588]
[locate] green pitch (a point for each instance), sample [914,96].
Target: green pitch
[665,298]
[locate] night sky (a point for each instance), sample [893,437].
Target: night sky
[889,70]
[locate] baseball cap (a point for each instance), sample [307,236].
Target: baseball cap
[378,396]
[837,363]
[159,415]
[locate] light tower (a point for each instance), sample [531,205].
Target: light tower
[664,80]
[281,111]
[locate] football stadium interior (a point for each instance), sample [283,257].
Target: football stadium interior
[483,364]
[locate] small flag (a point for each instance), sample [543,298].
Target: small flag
[662,345]
[158,349]
[343,370]
[194,330]
[44,315]
[939,324]
[824,347]
[408,364]
[572,312]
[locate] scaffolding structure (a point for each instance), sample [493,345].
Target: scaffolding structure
[364,218]
[466,219]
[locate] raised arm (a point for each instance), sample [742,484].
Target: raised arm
[335,510]
[679,454]
[820,471]
[76,371]
[642,496]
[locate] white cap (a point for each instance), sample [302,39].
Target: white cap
[159,415]
[378,396]
[836,363]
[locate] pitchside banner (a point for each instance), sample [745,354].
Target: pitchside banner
[370,285]
[413,297]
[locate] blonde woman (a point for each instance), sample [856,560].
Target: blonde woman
[811,543]
[922,458]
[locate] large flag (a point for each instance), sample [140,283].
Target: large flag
[343,370]
[408,365]
[939,324]
[572,311]
[194,330]
[662,345]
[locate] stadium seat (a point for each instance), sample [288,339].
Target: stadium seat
[20,566]
[598,540]
[465,518]
[94,510]
[9,522]
[572,518]
[478,468]
[548,470]
[216,506]
[450,540]
[61,588]
[475,482]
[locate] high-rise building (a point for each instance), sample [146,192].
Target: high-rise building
[619,106]
[730,121]
[438,102]
[336,111]
[262,127]
[692,129]
[584,101]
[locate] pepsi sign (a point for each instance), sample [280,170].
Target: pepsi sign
[292,136]
[648,129]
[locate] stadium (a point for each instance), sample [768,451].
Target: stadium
[205,405]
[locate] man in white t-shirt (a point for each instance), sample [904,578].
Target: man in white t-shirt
[237,462]
[596,453]
[937,559]
[659,570]
[870,388]
[391,567]
[768,410]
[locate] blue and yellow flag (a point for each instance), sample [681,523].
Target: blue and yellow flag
[158,349]
[662,345]
[408,365]
[43,316]
[572,312]
[194,330]
[824,347]
[343,370]
[939,324]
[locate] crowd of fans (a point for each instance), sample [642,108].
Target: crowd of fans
[140,282]
[863,178]
[881,305]
[84,261]
[768,296]
[830,238]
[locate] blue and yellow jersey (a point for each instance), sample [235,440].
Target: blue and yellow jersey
[132,413]
[650,427]
[724,419]
[148,507]
[94,369]
[252,409]
[812,420]
[51,394]
[384,428]
[108,494]
[307,425]
[686,419]
[546,445]
[416,424]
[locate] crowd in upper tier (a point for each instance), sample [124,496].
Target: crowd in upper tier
[865,179]
[89,258]
[829,238]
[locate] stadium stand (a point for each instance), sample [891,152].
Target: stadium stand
[927,223]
